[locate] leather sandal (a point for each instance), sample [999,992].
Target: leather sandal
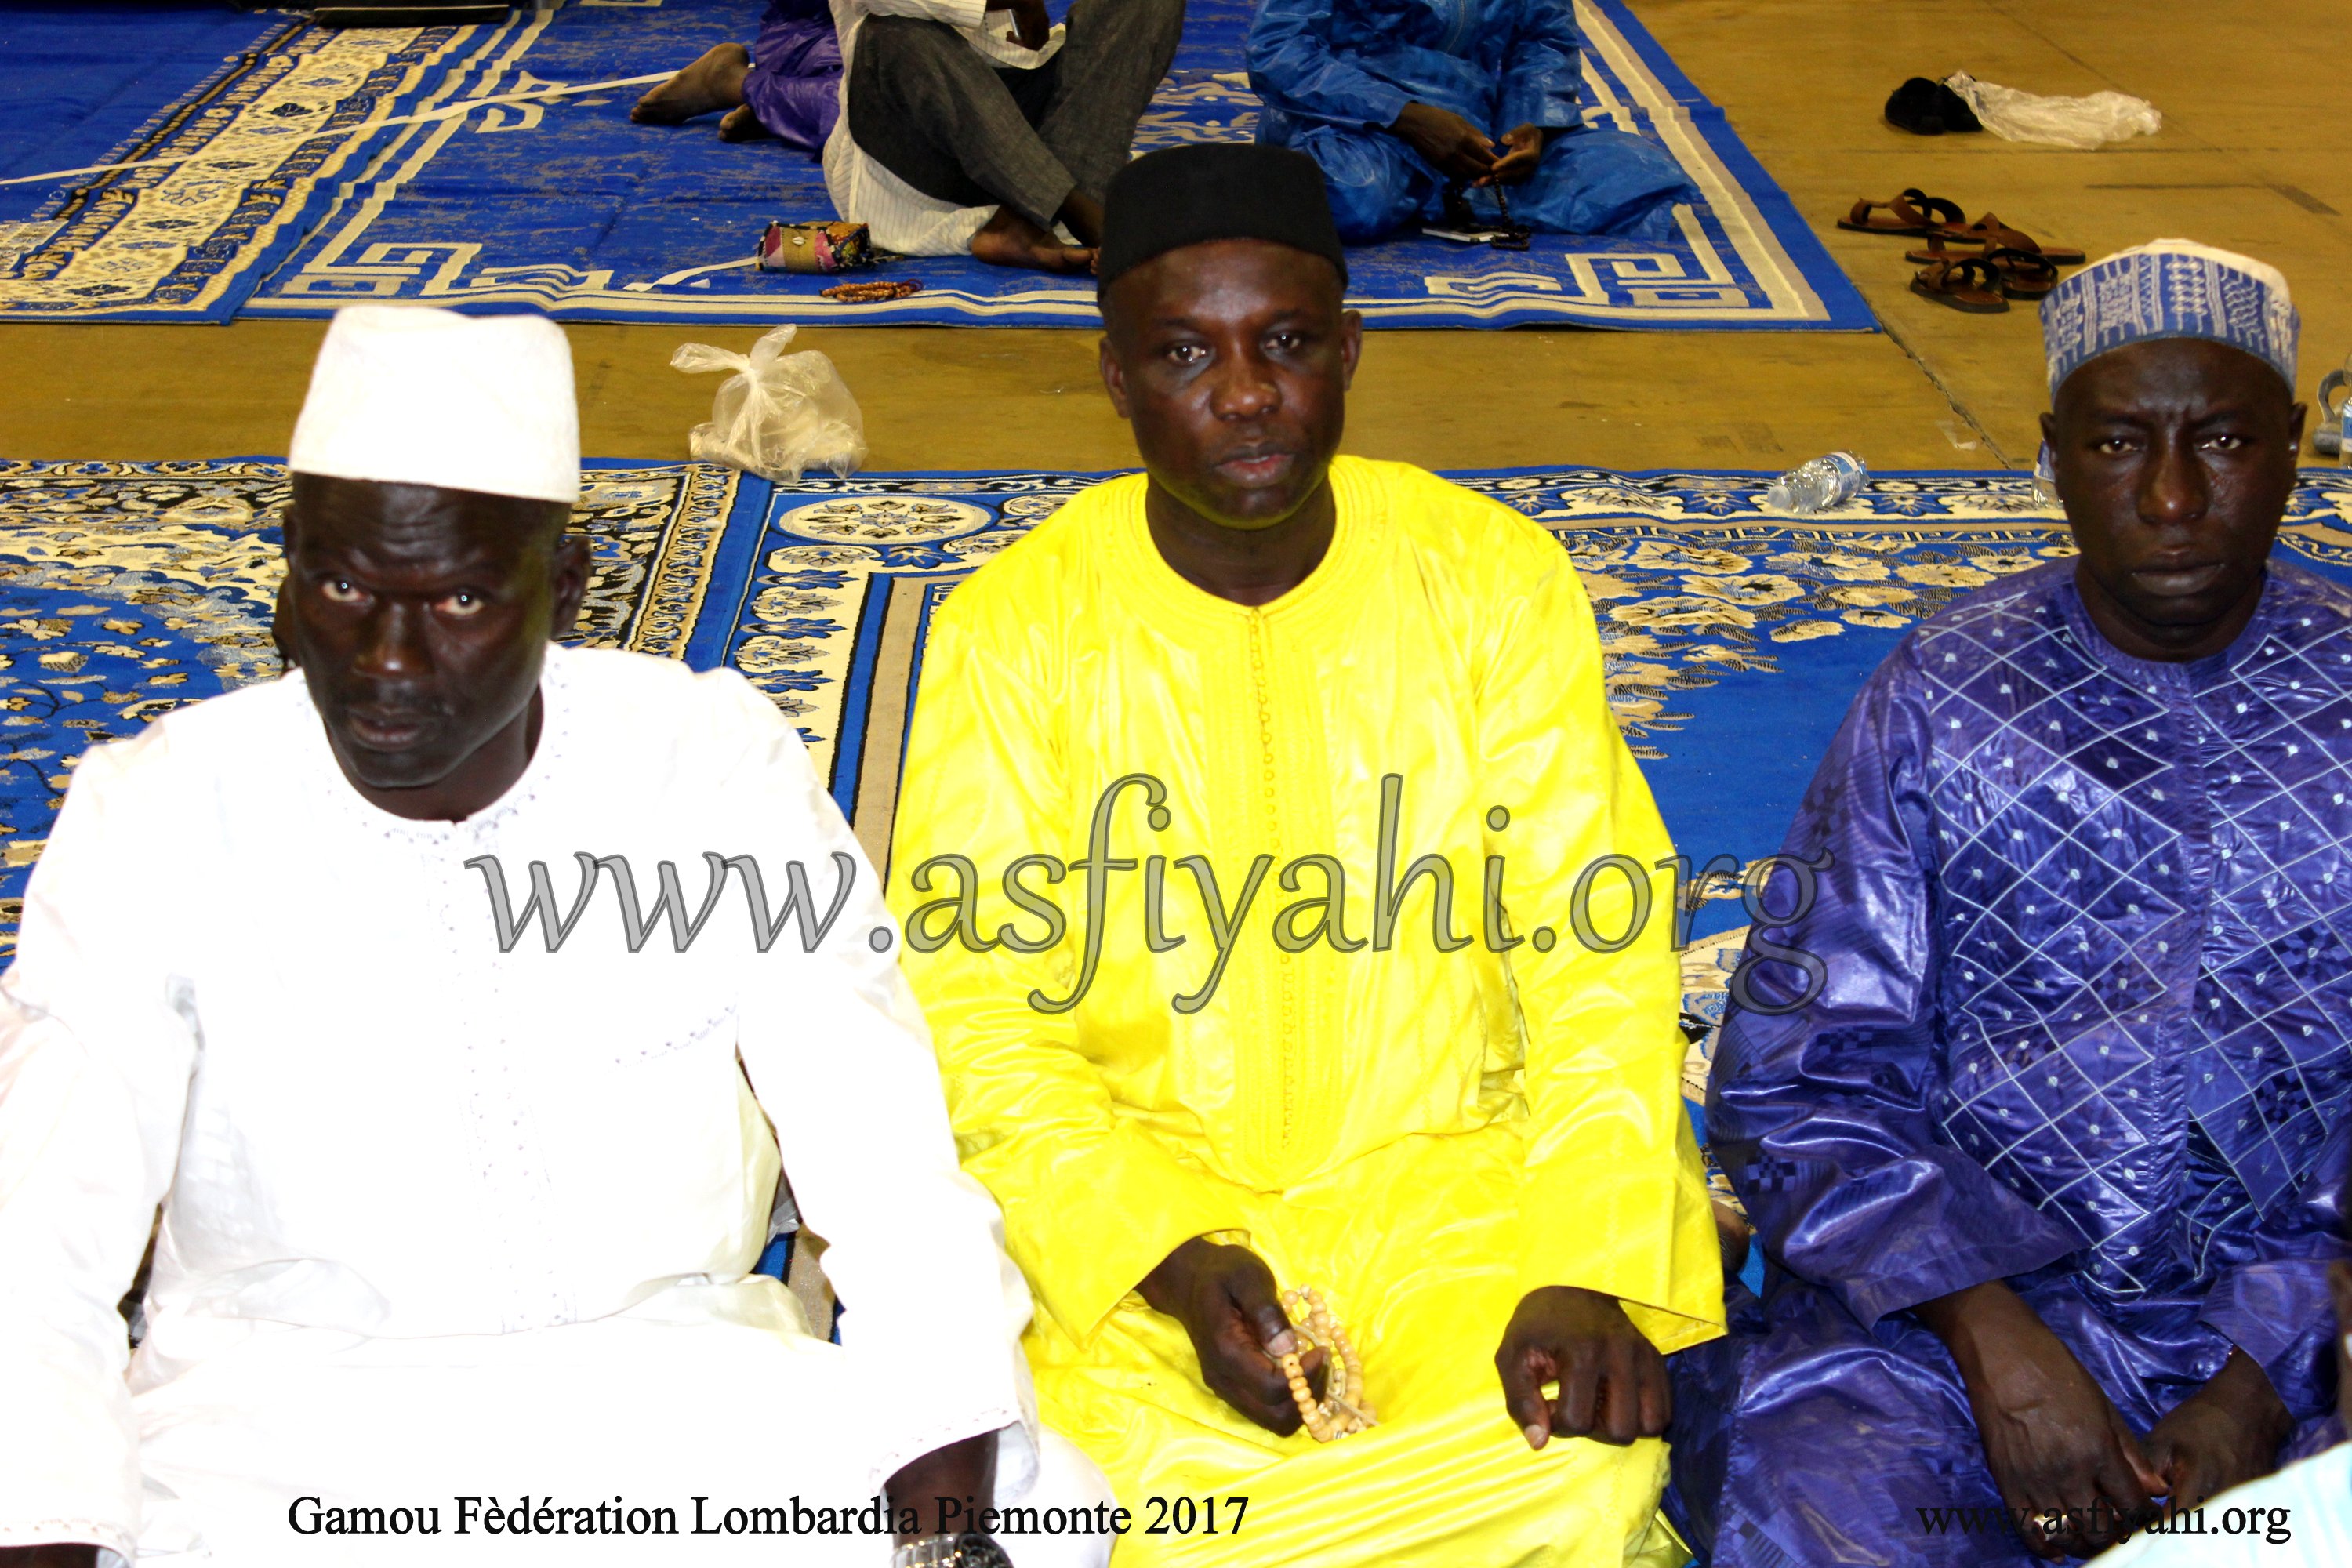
[1992,232]
[1942,248]
[2025,273]
[1945,245]
[1967,283]
[1912,213]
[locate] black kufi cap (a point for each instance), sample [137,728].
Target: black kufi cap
[1215,190]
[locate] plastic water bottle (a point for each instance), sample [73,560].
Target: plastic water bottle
[2045,481]
[2335,402]
[2344,420]
[1819,485]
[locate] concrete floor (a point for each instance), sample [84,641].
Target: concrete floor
[2250,158]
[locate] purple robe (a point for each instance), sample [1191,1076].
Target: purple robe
[794,84]
[2088,946]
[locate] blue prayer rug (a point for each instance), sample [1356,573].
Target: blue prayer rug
[1733,637]
[569,207]
[231,99]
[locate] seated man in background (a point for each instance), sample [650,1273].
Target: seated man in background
[2045,1133]
[787,85]
[994,132]
[1401,100]
[1469,1137]
[456,1201]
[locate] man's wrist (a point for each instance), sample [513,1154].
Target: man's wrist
[1957,1318]
[1162,1289]
[2244,1390]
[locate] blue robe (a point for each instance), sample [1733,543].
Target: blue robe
[1334,74]
[2084,1029]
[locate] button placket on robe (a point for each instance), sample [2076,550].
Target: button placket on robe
[2156,1179]
[476,995]
[517,1200]
[1286,1018]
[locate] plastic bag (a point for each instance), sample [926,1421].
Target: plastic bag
[779,413]
[2078,122]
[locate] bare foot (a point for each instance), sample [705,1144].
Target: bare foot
[715,81]
[1008,239]
[742,125]
[1083,216]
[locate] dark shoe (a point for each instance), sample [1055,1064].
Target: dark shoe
[1926,108]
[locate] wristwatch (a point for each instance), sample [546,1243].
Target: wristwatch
[970,1550]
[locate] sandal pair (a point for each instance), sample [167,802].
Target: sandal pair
[1916,215]
[1985,282]
[2016,274]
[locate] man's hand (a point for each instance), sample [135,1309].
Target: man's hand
[2056,1446]
[1225,1298]
[1452,144]
[56,1554]
[1733,1235]
[1612,1380]
[1030,25]
[1522,149]
[2226,1433]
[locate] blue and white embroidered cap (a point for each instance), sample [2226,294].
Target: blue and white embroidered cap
[2170,289]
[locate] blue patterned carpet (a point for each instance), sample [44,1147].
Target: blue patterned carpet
[569,207]
[240,92]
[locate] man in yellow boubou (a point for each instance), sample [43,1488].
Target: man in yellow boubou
[1446,1096]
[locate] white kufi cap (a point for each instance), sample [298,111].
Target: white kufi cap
[417,395]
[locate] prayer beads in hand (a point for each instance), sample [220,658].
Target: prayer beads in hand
[1342,1409]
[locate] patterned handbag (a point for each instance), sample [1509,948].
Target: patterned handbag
[816,247]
